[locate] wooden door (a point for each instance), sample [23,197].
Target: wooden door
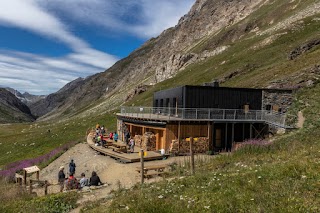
[218,138]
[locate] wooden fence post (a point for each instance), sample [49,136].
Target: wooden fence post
[191,156]
[142,165]
[45,187]
[30,186]
[38,175]
[25,177]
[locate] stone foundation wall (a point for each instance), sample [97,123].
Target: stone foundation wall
[273,99]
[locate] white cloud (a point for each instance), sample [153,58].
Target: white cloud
[46,73]
[144,18]
[26,14]
[39,74]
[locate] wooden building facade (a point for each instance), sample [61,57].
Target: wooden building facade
[172,129]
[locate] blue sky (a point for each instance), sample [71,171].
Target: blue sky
[45,44]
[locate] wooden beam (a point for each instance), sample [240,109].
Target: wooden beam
[179,136]
[226,135]
[232,133]
[25,177]
[191,156]
[144,126]
[142,165]
[243,132]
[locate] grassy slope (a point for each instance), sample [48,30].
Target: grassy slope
[282,177]
[288,170]
[16,139]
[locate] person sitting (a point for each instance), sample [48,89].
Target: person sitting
[83,181]
[71,182]
[111,136]
[95,180]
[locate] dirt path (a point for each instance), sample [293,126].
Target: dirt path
[109,171]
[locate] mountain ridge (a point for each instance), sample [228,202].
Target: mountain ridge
[240,43]
[12,109]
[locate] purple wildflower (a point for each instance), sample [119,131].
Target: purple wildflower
[12,168]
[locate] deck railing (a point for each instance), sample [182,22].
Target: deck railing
[210,114]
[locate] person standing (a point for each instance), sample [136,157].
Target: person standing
[131,143]
[72,167]
[111,136]
[61,178]
[115,136]
[127,137]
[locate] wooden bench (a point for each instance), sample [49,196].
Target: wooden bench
[158,169]
[153,173]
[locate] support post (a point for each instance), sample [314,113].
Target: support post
[142,165]
[226,135]
[38,174]
[250,131]
[191,156]
[179,132]
[232,133]
[25,177]
[243,131]
[45,187]
[30,186]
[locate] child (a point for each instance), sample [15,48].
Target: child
[131,143]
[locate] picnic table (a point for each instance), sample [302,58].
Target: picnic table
[108,143]
[152,170]
[118,145]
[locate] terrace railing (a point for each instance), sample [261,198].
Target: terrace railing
[210,114]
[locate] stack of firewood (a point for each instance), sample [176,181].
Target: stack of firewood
[200,145]
[184,146]
[148,141]
[174,147]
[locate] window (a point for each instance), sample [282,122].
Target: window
[268,107]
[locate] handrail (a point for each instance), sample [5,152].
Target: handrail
[163,113]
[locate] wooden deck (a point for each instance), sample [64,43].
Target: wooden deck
[120,156]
